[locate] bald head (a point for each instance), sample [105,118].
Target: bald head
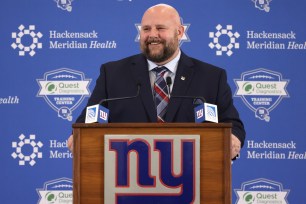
[164,10]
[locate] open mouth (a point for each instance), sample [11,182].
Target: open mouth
[154,43]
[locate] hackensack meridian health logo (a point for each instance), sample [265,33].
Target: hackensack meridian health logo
[261,191]
[261,90]
[224,40]
[27,150]
[64,90]
[185,37]
[56,191]
[26,40]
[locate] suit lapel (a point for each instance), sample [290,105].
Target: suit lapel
[140,73]
[181,84]
[183,78]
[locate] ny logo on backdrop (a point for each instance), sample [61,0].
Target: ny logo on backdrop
[262,5]
[26,40]
[152,169]
[224,40]
[27,150]
[261,90]
[185,37]
[64,4]
[64,90]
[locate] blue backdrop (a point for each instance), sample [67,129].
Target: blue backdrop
[51,52]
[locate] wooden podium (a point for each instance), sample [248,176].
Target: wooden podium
[215,161]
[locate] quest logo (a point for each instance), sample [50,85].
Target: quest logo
[261,191]
[261,90]
[64,90]
[56,191]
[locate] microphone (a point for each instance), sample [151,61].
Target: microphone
[169,82]
[203,111]
[100,114]
[103,101]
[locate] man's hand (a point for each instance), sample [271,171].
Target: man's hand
[70,143]
[236,146]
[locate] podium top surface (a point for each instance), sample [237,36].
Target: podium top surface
[152,125]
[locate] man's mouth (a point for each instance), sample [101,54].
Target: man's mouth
[154,43]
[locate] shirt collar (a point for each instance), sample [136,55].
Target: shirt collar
[172,65]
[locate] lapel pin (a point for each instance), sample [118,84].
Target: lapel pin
[183,78]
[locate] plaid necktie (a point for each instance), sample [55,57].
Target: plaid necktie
[161,93]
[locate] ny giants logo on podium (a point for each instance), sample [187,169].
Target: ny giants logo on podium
[152,169]
[103,115]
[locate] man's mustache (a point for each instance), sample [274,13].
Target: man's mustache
[154,40]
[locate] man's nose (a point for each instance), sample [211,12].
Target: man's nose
[154,33]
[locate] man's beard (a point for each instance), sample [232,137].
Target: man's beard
[166,53]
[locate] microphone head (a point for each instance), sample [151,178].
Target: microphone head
[168,81]
[138,82]
[138,87]
[96,114]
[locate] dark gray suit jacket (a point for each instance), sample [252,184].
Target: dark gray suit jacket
[120,78]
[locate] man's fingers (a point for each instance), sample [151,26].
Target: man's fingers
[236,146]
[70,143]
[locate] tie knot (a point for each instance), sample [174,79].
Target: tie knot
[160,70]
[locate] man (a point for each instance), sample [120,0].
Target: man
[161,31]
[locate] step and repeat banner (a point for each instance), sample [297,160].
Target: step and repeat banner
[51,52]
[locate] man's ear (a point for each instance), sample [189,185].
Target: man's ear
[180,32]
